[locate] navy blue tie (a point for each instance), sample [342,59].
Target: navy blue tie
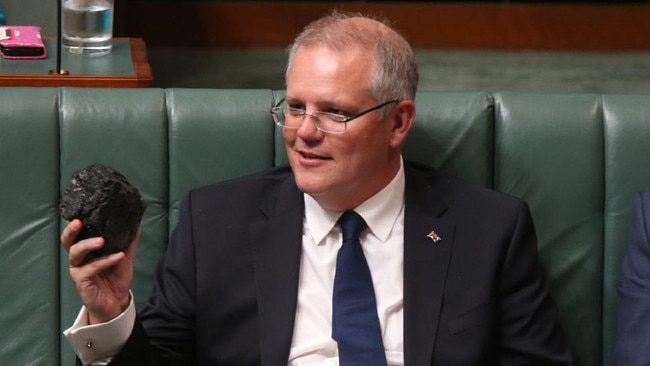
[355,324]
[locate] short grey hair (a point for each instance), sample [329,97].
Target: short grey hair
[396,73]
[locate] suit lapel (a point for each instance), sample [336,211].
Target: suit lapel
[277,243]
[425,267]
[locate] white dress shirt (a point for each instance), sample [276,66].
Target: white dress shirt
[97,344]
[312,343]
[383,246]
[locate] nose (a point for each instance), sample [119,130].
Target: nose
[309,127]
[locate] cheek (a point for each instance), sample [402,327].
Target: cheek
[376,142]
[357,155]
[289,135]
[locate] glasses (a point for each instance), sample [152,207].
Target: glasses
[291,117]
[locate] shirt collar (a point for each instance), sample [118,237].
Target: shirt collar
[379,211]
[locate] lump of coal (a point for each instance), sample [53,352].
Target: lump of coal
[107,205]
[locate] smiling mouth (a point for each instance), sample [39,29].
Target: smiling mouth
[311,156]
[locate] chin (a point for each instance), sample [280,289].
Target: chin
[308,185]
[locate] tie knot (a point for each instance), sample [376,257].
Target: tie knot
[352,224]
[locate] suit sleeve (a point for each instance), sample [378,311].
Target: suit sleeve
[136,351]
[632,340]
[530,333]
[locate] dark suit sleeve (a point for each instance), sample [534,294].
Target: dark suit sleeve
[632,342]
[136,351]
[530,333]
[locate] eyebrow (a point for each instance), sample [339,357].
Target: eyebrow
[321,105]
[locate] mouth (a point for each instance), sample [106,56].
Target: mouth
[310,156]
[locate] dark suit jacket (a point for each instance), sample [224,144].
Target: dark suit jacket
[632,343]
[225,291]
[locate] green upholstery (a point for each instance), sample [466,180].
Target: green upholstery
[29,268]
[204,125]
[627,162]
[128,131]
[576,159]
[549,150]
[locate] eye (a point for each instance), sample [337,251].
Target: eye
[336,116]
[297,106]
[337,112]
[295,109]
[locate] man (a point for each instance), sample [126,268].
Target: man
[251,270]
[632,343]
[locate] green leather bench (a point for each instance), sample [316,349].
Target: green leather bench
[576,159]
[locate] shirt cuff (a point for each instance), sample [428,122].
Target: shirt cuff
[100,342]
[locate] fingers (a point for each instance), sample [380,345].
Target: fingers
[96,266]
[70,232]
[78,253]
[102,283]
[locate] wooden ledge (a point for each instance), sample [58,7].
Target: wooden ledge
[425,25]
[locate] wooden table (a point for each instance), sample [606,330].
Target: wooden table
[126,66]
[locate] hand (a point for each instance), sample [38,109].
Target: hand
[103,283]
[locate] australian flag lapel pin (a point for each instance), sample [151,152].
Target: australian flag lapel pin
[434,237]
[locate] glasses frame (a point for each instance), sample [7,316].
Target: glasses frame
[275,109]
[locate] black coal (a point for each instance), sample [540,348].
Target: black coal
[107,205]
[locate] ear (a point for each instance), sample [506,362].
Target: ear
[403,117]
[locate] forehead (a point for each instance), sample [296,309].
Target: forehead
[321,72]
